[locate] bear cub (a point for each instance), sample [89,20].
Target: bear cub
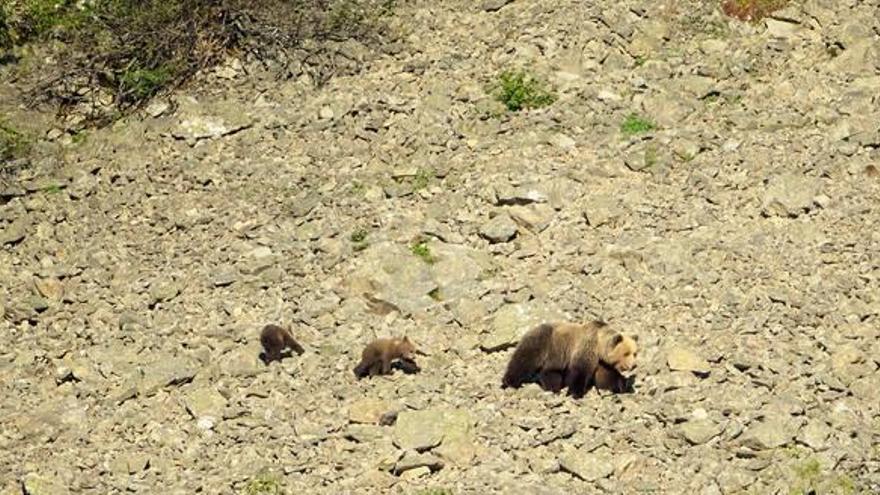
[380,355]
[275,341]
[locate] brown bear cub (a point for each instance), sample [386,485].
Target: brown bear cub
[275,340]
[608,378]
[570,355]
[381,354]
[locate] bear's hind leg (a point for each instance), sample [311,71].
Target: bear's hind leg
[551,381]
[527,357]
[576,382]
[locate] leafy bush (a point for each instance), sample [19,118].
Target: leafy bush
[422,250]
[635,124]
[263,484]
[518,90]
[12,143]
[134,49]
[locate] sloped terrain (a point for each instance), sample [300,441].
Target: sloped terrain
[709,185]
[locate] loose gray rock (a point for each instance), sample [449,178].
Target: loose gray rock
[815,435]
[847,364]
[536,217]
[770,433]
[522,195]
[513,320]
[502,228]
[224,276]
[204,403]
[781,28]
[165,372]
[398,276]
[684,359]
[37,303]
[700,431]
[790,195]
[128,464]
[50,288]
[369,411]
[424,430]
[194,125]
[416,473]
[34,484]
[601,209]
[457,271]
[13,233]
[732,480]
[562,141]
[163,290]
[242,361]
[303,204]
[588,466]
[494,5]
[414,460]
[157,108]
[459,445]
[369,152]
[419,430]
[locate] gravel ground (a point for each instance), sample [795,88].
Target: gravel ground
[709,185]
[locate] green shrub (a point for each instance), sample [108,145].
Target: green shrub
[140,84]
[22,21]
[5,35]
[13,144]
[634,124]
[135,49]
[263,484]
[358,239]
[518,90]
[422,250]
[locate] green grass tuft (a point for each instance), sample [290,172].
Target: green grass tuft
[358,239]
[263,484]
[422,250]
[634,124]
[422,179]
[141,84]
[518,90]
[435,491]
[358,188]
[809,470]
[359,235]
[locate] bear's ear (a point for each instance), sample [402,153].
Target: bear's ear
[634,337]
[616,340]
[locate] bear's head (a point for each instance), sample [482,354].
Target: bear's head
[406,348]
[618,351]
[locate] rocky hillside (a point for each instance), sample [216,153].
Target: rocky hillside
[710,185]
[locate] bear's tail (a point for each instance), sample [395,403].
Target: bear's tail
[526,358]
